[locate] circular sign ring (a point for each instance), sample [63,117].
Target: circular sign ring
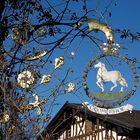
[104,103]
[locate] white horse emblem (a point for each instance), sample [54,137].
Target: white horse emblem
[105,76]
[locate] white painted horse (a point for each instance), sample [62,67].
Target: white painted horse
[105,76]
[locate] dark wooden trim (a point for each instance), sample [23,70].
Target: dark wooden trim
[78,127]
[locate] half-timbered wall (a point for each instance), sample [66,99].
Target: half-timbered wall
[86,128]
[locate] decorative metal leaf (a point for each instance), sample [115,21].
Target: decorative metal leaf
[59,62]
[45,79]
[36,55]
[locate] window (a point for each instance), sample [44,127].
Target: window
[68,131]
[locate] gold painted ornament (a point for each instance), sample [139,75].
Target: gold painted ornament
[34,105]
[71,87]
[4,118]
[77,25]
[46,79]
[59,62]
[41,32]
[99,26]
[25,79]
[36,55]
[110,48]
[20,34]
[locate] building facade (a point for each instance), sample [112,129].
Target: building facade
[76,122]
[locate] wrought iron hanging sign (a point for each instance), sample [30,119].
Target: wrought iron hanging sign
[105,101]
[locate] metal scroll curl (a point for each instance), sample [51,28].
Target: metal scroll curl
[102,102]
[35,56]
[95,24]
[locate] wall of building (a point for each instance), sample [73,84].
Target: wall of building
[91,129]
